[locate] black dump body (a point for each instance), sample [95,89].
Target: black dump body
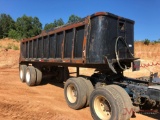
[92,42]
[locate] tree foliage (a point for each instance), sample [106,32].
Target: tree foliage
[74,18]
[56,23]
[28,27]
[14,34]
[6,24]
[48,26]
[59,22]
[146,41]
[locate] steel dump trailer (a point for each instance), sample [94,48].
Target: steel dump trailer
[102,41]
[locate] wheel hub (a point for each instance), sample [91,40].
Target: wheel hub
[102,108]
[21,74]
[28,76]
[71,94]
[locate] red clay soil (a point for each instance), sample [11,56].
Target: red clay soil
[43,102]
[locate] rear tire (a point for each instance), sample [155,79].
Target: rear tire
[128,107]
[75,93]
[89,88]
[22,72]
[108,104]
[30,76]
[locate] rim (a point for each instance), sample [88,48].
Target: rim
[21,74]
[102,108]
[28,76]
[71,93]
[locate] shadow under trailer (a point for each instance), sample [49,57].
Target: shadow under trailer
[102,41]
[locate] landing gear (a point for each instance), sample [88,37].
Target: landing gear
[62,74]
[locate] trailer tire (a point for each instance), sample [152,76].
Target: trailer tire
[30,76]
[89,87]
[75,93]
[22,72]
[107,104]
[38,76]
[128,107]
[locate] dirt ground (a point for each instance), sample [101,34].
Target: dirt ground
[46,101]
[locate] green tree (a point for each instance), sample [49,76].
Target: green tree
[14,34]
[74,18]
[37,26]
[28,27]
[49,26]
[6,24]
[146,41]
[56,23]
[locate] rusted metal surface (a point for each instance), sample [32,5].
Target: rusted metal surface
[57,30]
[84,43]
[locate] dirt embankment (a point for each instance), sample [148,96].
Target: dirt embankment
[46,102]
[150,59]
[9,53]
[147,52]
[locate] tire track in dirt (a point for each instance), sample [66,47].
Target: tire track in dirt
[45,102]
[25,109]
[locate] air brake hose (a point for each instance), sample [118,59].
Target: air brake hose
[117,57]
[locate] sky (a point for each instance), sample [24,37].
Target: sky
[145,13]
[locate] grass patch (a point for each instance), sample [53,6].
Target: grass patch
[12,46]
[1,46]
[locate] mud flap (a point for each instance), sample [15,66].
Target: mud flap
[136,65]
